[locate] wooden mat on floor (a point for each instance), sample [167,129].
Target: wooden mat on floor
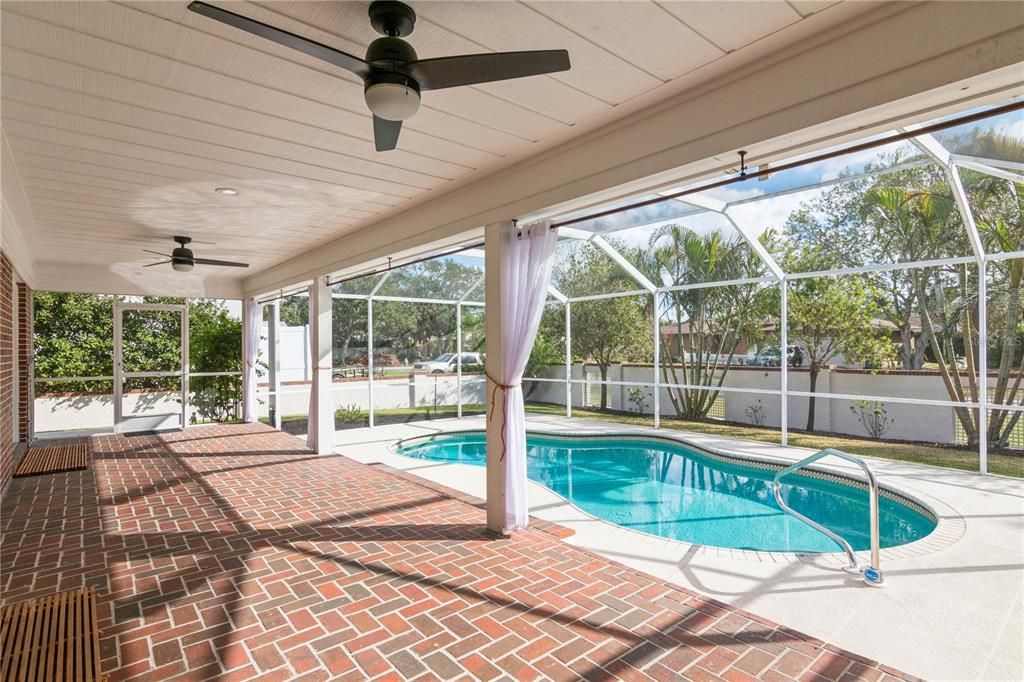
[51,638]
[51,459]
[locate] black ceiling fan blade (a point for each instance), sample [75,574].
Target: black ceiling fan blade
[165,255]
[328,54]
[385,133]
[163,262]
[226,263]
[469,69]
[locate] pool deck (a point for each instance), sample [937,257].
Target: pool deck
[231,552]
[953,604]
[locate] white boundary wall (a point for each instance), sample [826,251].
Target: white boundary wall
[909,421]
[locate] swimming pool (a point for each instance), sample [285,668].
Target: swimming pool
[665,488]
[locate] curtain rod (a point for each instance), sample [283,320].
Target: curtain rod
[391,266]
[896,137]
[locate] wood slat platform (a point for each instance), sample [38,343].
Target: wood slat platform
[52,459]
[51,639]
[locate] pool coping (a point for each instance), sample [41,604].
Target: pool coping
[950,525]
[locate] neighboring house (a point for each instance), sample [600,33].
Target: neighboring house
[677,340]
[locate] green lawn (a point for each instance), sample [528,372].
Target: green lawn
[938,455]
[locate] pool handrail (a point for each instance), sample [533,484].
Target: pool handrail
[872,573]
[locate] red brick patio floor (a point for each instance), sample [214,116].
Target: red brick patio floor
[229,552]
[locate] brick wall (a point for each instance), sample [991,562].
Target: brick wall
[25,367]
[6,370]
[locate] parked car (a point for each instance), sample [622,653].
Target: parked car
[448,362]
[770,356]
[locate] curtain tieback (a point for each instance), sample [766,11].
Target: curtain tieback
[505,388]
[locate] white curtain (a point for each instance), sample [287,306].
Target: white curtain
[250,349]
[526,259]
[311,421]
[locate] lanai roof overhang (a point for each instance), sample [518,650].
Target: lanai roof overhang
[839,101]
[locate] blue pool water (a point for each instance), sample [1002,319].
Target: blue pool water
[670,490]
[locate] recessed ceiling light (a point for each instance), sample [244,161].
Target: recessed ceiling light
[230,191]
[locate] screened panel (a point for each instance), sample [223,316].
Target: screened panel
[583,269]
[997,205]
[736,410]
[446,278]
[703,247]
[654,214]
[902,333]
[73,406]
[1000,138]
[900,216]
[73,337]
[151,340]
[350,388]
[295,365]
[1005,316]
[358,286]
[215,345]
[922,433]
[474,345]
[723,338]
[152,397]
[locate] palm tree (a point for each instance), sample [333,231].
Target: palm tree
[710,321]
[907,225]
[922,222]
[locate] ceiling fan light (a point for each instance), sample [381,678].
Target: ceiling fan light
[392,101]
[181,266]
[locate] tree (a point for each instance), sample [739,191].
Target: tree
[903,216]
[215,345]
[829,316]
[710,321]
[423,329]
[545,352]
[349,322]
[912,217]
[74,337]
[294,311]
[607,330]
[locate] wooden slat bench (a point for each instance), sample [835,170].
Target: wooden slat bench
[52,459]
[51,639]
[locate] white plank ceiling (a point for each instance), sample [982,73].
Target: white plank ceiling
[122,117]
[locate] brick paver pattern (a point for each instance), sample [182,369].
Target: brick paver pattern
[230,552]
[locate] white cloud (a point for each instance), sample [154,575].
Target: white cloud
[757,216]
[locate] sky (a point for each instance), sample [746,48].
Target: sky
[635,228]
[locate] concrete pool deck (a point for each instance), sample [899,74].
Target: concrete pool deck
[953,605]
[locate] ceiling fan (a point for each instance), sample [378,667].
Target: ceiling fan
[182,260]
[392,74]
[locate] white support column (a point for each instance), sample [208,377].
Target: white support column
[967,215]
[369,359]
[274,350]
[186,367]
[982,368]
[784,353]
[494,400]
[321,398]
[458,360]
[568,359]
[657,362]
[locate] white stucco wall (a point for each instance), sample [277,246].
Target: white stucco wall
[909,421]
